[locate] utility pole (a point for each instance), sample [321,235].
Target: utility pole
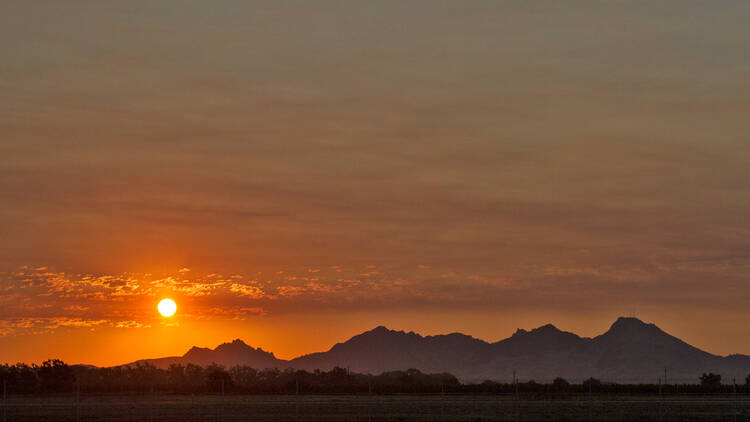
[518,405]
[442,401]
[296,399]
[591,404]
[5,402]
[736,401]
[369,400]
[222,400]
[78,399]
[151,405]
[660,400]
[659,387]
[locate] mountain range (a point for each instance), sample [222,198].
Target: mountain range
[631,351]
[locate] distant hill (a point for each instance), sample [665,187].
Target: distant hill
[226,354]
[631,351]
[382,350]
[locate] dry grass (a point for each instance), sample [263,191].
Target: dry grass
[183,408]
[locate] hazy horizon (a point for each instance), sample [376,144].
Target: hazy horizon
[374,329]
[293,173]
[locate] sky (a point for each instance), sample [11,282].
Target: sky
[293,173]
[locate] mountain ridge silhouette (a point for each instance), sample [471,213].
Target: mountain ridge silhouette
[630,351]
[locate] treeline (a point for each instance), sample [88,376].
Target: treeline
[706,384]
[55,376]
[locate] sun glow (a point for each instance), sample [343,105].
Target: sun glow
[167,307]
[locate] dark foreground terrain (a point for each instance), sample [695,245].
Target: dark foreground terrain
[372,408]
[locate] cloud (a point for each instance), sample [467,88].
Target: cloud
[235,312]
[250,291]
[130,324]
[45,325]
[39,302]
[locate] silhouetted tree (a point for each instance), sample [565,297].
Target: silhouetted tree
[144,376]
[20,377]
[245,378]
[592,384]
[710,380]
[560,384]
[195,377]
[217,377]
[176,377]
[55,376]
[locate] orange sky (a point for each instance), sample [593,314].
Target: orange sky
[316,169]
[112,319]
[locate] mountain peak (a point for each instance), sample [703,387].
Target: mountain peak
[629,323]
[548,328]
[195,349]
[626,320]
[235,344]
[631,329]
[381,330]
[519,332]
[544,329]
[632,350]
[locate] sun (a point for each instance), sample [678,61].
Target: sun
[167,307]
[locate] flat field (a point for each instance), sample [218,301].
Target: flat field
[183,408]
